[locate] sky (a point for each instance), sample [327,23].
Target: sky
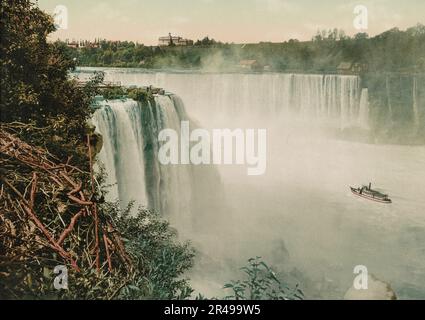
[238,21]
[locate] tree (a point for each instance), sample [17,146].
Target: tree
[206,41]
[34,80]
[361,36]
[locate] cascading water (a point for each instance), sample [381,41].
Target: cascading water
[130,156]
[415,102]
[327,97]
[122,155]
[364,109]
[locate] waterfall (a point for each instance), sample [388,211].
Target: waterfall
[415,102]
[122,155]
[268,96]
[130,156]
[364,109]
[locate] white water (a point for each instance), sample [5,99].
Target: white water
[364,109]
[415,102]
[326,97]
[300,214]
[119,123]
[129,155]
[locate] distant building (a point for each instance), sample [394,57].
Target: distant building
[250,65]
[83,44]
[350,68]
[73,44]
[344,68]
[358,67]
[174,40]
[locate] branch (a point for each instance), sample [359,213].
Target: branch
[70,227]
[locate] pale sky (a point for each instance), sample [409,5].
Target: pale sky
[239,21]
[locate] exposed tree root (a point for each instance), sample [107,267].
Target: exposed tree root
[57,199]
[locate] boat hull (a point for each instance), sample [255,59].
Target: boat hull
[369,197]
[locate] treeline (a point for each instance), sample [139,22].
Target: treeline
[131,54]
[392,51]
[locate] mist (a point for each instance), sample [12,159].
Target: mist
[300,216]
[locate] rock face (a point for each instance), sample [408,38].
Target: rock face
[96,141]
[377,290]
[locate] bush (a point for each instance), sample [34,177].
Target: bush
[261,283]
[139,94]
[159,260]
[113,93]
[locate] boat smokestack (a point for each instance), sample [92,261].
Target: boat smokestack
[370,185]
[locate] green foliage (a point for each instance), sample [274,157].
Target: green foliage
[393,50]
[113,93]
[206,41]
[34,83]
[160,261]
[261,283]
[139,94]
